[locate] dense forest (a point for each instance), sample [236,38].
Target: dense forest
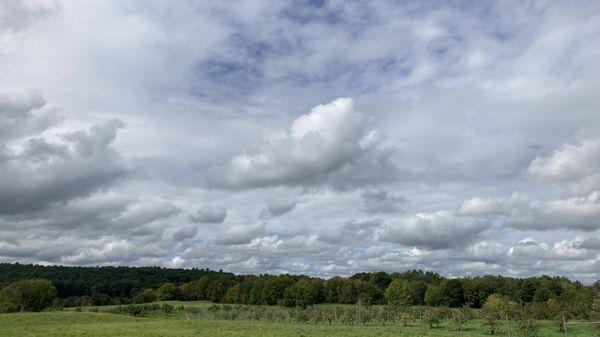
[81,286]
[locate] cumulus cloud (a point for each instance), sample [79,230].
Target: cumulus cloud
[450,106]
[580,213]
[576,166]
[439,230]
[327,140]
[277,208]
[38,172]
[209,214]
[531,251]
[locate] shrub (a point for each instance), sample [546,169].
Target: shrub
[29,295]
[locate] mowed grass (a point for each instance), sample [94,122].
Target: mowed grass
[69,323]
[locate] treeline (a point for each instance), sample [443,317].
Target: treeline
[113,283]
[82,286]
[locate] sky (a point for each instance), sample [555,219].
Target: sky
[307,137]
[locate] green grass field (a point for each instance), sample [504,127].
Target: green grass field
[71,323]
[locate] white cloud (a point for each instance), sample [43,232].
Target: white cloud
[576,166]
[329,139]
[485,206]
[578,213]
[450,106]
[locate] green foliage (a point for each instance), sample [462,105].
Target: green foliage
[398,293]
[167,292]
[28,295]
[433,295]
[453,295]
[527,290]
[301,294]
[431,317]
[459,318]
[543,294]
[527,325]
[403,318]
[81,286]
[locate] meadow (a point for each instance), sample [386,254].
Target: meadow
[181,321]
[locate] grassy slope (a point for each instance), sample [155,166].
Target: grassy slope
[92,324]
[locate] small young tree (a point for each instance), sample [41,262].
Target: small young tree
[459,318]
[493,310]
[431,318]
[526,324]
[403,318]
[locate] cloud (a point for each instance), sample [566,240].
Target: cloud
[439,230]
[209,214]
[491,206]
[531,251]
[38,172]
[452,107]
[185,233]
[382,202]
[592,243]
[277,208]
[240,234]
[577,213]
[330,139]
[576,166]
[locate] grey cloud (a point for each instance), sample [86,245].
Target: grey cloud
[454,107]
[589,243]
[209,214]
[184,234]
[240,234]
[576,166]
[352,231]
[577,213]
[16,16]
[383,202]
[46,173]
[277,208]
[440,230]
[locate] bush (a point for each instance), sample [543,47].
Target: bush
[28,295]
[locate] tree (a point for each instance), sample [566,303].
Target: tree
[235,294]
[302,294]
[527,325]
[167,292]
[543,294]
[453,293]
[433,295]
[417,291]
[348,294]
[398,293]
[527,290]
[29,295]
